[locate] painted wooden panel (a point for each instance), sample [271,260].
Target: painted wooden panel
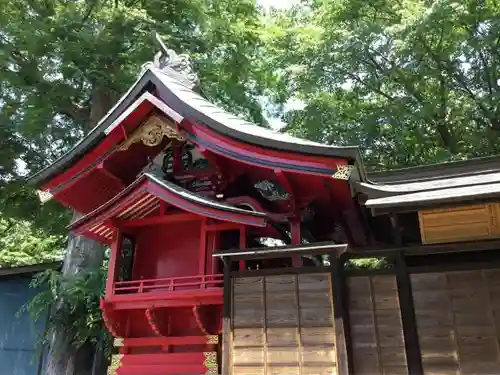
[18,355]
[458,321]
[283,324]
[376,327]
[460,224]
[161,252]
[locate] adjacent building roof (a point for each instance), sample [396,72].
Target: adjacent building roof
[142,198]
[429,172]
[188,104]
[435,184]
[29,270]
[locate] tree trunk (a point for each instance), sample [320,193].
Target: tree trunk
[82,254]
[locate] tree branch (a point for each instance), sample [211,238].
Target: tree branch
[459,78]
[354,77]
[79,114]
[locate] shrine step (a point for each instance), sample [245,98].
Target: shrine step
[194,363]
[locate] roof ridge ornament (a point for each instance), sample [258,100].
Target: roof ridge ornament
[177,66]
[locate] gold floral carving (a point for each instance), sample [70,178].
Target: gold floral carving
[343,172]
[152,132]
[118,342]
[212,339]
[211,363]
[115,364]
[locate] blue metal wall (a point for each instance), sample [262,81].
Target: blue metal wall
[18,354]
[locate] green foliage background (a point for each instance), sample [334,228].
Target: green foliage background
[412,82]
[75,307]
[21,243]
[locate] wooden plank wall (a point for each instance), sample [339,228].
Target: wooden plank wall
[283,324]
[458,321]
[248,324]
[376,328]
[468,223]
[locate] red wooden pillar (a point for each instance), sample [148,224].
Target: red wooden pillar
[243,245]
[215,265]
[202,257]
[114,259]
[296,240]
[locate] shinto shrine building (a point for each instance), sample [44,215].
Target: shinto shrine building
[231,245]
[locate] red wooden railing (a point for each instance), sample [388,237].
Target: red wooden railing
[170,284]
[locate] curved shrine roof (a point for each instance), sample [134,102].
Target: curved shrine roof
[142,198]
[186,103]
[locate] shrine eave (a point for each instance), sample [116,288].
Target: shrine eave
[282,251]
[142,198]
[425,199]
[414,188]
[192,105]
[180,102]
[462,168]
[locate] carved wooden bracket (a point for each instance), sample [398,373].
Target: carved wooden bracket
[109,322]
[200,324]
[215,315]
[44,196]
[115,364]
[151,318]
[211,363]
[212,339]
[343,172]
[152,132]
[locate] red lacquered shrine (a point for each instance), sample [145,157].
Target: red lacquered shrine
[173,184]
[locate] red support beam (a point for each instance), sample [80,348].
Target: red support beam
[162,341]
[159,220]
[222,226]
[163,207]
[285,182]
[114,259]
[215,263]
[212,235]
[202,258]
[188,298]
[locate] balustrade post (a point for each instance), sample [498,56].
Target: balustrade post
[141,284]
